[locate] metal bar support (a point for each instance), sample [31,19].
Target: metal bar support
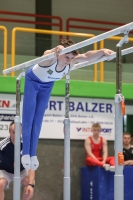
[66,194]
[118,70]
[119,178]
[118,63]
[16,186]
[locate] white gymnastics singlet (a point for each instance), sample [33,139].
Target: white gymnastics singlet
[48,74]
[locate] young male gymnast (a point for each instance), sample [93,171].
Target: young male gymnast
[97,150]
[39,81]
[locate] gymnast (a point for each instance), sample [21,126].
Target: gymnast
[39,81]
[97,150]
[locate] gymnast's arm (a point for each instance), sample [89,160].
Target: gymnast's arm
[128,162]
[91,56]
[105,151]
[56,52]
[88,149]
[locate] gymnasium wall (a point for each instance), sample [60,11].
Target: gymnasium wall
[114,11]
[25,42]
[105,10]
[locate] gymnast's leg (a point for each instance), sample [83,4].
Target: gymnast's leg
[93,162]
[41,105]
[111,160]
[29,105]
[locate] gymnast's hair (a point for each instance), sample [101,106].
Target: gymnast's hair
[127,133]
[96,125]
[68,42]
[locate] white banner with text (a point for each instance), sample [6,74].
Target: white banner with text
[83,113]
[7,112]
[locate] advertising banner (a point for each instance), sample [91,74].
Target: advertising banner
[7,112]
[83,113]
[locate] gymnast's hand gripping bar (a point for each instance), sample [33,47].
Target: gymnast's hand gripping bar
[123,29]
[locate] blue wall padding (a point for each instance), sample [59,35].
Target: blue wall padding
[98,184]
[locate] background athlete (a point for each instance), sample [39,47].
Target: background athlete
[97,150]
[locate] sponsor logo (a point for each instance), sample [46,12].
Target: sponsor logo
[83,129]
[7,117]
[86,107]
[50,71]
[106,130]
[52,77]
[91,191]
[91,183]
[78,129]
[4,103]
[88,129]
